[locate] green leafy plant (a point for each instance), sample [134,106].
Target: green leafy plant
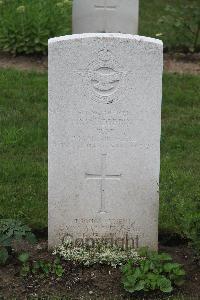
[10,231]
[47,268]
[44,267]
[23,258]
[3,255]
[184,23]
[25,26]
[154,272]
[57,267]
[40,267]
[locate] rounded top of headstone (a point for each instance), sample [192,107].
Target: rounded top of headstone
[136,38]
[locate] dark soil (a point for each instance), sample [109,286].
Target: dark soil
[98,282]
[173,63]
[24,63]
[182,63]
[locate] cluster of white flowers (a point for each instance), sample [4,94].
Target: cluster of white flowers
[96,254]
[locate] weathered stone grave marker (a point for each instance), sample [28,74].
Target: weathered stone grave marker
[104,138]
[105,16]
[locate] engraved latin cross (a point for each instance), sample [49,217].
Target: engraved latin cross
[103,176]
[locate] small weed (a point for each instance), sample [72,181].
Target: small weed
[10,231]
[41,268]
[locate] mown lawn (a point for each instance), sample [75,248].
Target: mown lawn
[23,150]
[180,156]
[23,147]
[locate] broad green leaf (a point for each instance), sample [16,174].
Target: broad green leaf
[23,257]
[168,267]
[165,285]
[30,237]
[140,285]
[3,256]
[165,257]
[179,282]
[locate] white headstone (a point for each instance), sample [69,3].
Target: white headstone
[105,16]
[104,138]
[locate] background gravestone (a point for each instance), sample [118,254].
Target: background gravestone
[105,16]
[104,137]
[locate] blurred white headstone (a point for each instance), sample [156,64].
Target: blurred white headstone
[105,16]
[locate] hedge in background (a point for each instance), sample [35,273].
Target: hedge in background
[176,22]
[184,25]
[26,25]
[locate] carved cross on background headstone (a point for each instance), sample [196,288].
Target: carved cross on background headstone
[103,177]
[105,5]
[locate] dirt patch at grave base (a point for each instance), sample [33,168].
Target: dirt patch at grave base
[24,63]
[182,63]
[98,282]
[173,63]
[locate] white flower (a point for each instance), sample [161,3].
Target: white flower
[159,34]
[21,9]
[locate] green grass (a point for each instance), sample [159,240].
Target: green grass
[23,147]
[180,159]
[23,150]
